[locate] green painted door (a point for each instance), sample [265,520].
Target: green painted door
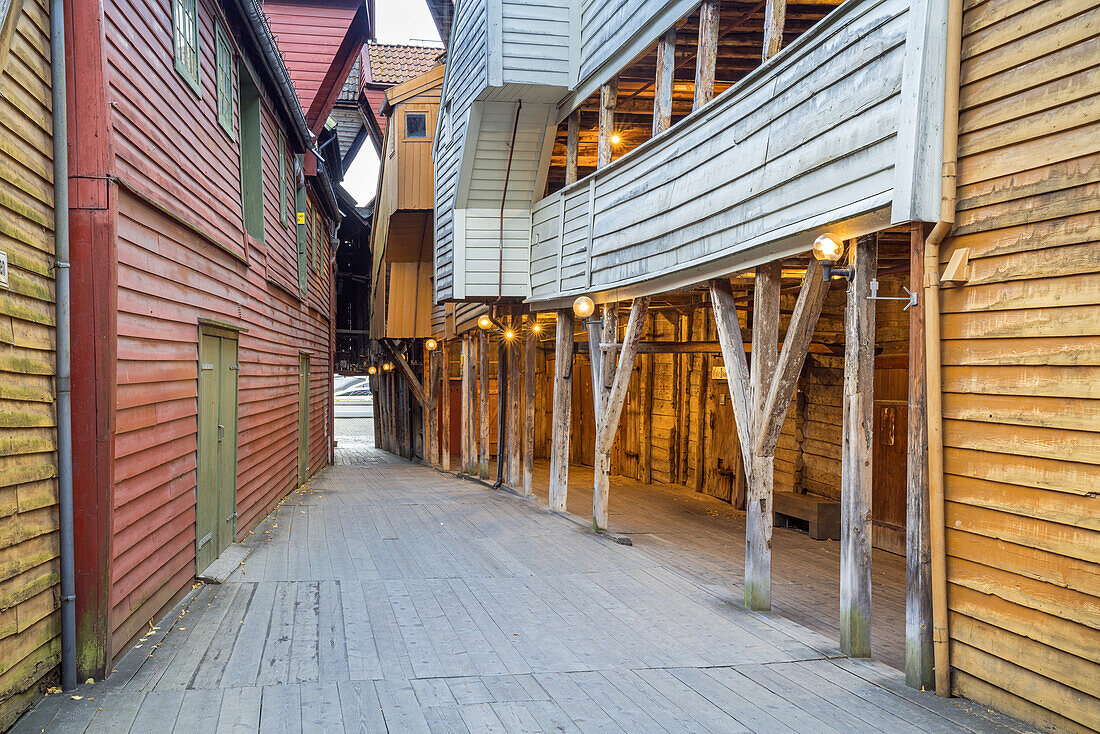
[216,508]
[303,419]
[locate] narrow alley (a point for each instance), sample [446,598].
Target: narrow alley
[387,596]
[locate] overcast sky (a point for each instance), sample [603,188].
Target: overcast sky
[399,21]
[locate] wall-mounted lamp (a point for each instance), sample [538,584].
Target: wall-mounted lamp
[509,335]
[431,344]
[484,322]
[372,370]
[828,249]
[387,366]
[583,307]
[536,327]
[616,139]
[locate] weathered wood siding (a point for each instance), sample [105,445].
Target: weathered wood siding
[183,256]
[619,31]
[466,76]
[535,42]
[316,41]
[746,178]
[167,141]
[1022,366]
[29,622]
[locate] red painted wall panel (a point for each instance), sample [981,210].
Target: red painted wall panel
[309,36]
[182,255]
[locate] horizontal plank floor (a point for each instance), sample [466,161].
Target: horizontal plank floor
[704,538]
[385,596]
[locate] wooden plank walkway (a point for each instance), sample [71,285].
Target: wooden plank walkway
[385,596]
[704,538]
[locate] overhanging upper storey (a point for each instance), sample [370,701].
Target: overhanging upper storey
[841,131]
[508,67]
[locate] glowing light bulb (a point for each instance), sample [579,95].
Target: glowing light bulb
[583,307]
[372,370]
[828,248]
[616,139]
[509,334]
[431,345]
[387,366]
[484,323]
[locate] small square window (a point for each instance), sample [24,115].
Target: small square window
[416,125]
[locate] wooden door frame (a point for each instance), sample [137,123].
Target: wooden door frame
[303,471]
[219,330]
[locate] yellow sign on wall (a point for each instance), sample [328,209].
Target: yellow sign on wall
[301,217]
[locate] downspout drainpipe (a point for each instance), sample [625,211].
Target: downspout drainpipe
[940,634]
[504,199]
[63,319]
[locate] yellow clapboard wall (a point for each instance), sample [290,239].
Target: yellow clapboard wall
[29,618]
[1021,356]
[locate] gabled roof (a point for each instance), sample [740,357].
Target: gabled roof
[393,63]
[319,41]
[413,87]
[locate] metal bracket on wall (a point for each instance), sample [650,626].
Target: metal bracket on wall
[911,298]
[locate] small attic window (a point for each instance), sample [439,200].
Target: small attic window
[416,125]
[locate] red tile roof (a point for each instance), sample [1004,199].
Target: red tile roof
[392,63]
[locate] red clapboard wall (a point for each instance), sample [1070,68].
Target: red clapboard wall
[159,246]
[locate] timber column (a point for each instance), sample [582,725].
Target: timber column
[563,403]
[856,452]
[758,504]
[919,671]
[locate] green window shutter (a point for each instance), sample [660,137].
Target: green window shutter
[185,34]
[282,180]
[224,80]
[300,226]
[251,148]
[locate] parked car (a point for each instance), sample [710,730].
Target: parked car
[353,397]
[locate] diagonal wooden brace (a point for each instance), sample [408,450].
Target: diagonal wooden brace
[409,375]
[796,344]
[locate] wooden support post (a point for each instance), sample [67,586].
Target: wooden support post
[707,57]
[431,413]
[758,504]
[595,365]
[856,452]
[919,671]
[483,402]
[775,16]
[605,430]
[700,411]
[563,405]
[608,335]
[515,408]
[666,71]
[466,460]
[376,395]
[530,363]
[445,406]
[572,146]
[683,389]
[645,420]
[609,93]
[796,345]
